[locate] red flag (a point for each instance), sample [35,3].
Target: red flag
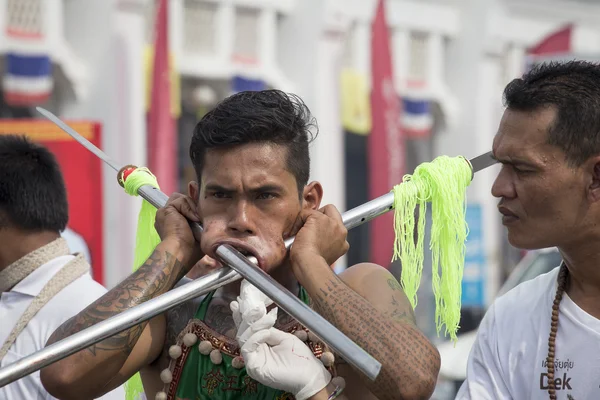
[386,142]
[162,133]
[558,42]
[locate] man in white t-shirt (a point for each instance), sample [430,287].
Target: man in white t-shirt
[42,284]
[542,339]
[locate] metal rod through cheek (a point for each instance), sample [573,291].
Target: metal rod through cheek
[207,283]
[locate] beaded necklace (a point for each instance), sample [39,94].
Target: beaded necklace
[563,276]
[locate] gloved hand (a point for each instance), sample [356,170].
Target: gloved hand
[250,312]
[282,361]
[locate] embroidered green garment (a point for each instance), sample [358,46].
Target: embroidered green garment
[203,380]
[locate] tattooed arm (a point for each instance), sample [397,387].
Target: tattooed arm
[367,304]
[105,365]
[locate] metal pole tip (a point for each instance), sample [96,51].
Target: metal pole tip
[124,173]
[470,166]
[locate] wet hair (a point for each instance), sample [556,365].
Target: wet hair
[573,88]
[269,116]
[33,196]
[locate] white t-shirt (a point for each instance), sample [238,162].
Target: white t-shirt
[67,303]
[508,359]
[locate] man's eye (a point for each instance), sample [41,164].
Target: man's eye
[266,196]
[520,171]
[220,195]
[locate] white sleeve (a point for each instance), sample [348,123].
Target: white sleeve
[485,376]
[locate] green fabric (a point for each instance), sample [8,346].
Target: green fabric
[203,380]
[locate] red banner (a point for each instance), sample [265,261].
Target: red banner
[162,129]
[82,172]
[386,143]
[558,42]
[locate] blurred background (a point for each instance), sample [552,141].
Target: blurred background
[407,80]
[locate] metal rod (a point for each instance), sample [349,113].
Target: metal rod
[145,311]
[354,354]
[350,351]
[327,332]
[114,325]
[135,315]
[361,214]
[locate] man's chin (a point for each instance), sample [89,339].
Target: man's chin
[526,242]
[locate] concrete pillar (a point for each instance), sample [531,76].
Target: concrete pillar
[114,59]
[310,56]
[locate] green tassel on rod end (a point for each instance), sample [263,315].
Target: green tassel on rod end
[147,238]
[442,182]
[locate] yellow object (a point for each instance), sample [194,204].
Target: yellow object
[173,75]
[355,99]
[442,182]
[147,239]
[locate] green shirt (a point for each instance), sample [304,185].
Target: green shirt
[203,380]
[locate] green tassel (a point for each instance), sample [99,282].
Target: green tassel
[146,240]
[443,182]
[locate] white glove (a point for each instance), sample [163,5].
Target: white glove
[282,361]
[250,312]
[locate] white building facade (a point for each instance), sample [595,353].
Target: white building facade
[460,52]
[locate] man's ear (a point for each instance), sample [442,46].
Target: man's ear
[194,191]
[594,187]
[312,196]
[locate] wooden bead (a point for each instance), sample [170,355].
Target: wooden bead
[190,339]
[175,352]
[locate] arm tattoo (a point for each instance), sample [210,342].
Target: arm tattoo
[393,284]
[158,275]
[401,315]
[392,338]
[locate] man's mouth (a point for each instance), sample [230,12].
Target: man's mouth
[246,253]
[245,250]
[507,215]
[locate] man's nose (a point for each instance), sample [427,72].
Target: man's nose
[503,186]
[241,220]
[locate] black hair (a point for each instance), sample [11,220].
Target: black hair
[258,116]
[573,88]
[32,191]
